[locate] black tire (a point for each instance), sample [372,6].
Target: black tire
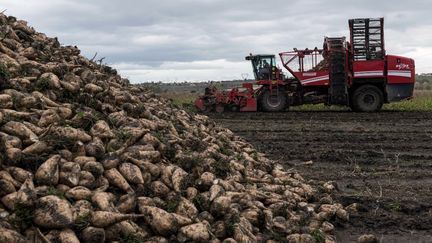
[219,108]
[273,103]
[208,108]
[351,105]
[234,108]
[367,98]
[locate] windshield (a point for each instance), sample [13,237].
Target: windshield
[262,66]
[265,62]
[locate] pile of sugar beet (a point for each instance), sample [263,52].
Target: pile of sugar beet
[88,157]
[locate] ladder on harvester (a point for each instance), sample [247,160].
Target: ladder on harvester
[367,38]
[337,56]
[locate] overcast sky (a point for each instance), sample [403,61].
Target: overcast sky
[195,40]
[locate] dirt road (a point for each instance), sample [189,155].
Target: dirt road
[382,161]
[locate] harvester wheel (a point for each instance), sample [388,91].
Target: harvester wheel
[367,98]
[234,108]
[208,108]
[273,102]
[220,108]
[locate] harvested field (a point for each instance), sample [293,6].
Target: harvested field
[381,161]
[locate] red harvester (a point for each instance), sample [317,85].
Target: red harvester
[357,73]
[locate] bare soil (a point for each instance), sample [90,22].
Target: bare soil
[381,161]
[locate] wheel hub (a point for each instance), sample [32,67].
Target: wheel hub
[274,100]
[369,99]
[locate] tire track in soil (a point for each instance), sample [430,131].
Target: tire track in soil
[381,161]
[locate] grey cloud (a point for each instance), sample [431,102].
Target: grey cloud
[153,32]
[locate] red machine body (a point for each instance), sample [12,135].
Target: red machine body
[358,74]
[236,99]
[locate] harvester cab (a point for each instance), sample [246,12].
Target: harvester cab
[264,67]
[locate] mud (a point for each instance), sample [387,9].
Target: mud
[381,161]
